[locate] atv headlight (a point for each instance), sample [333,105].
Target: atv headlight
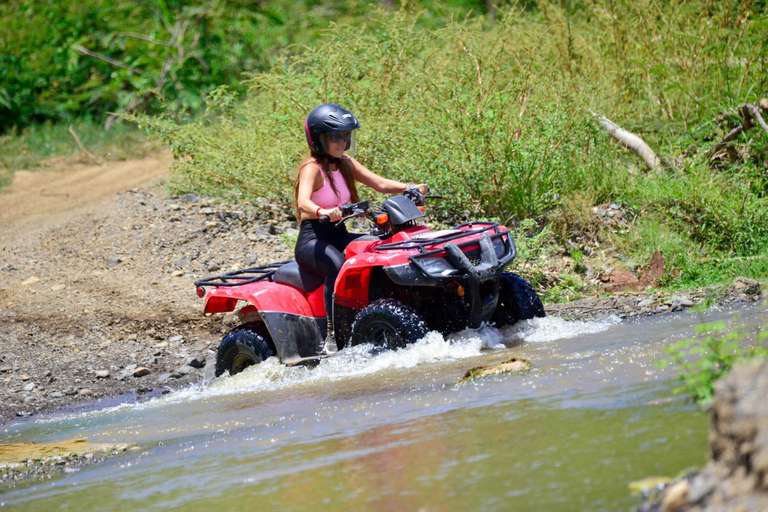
[499,247]
[437,266]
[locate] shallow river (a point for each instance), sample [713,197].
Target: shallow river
[392,430]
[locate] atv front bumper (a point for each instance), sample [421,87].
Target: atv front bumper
[456,266]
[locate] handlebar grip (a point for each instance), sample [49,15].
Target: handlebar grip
[323,219]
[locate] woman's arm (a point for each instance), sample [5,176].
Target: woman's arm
[309,181]
[383,185]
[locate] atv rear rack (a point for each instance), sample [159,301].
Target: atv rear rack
[421,245]
[244,276]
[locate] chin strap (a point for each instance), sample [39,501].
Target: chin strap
[333,160]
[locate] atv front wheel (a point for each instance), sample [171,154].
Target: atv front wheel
[388,323]
[243,346]
[517,301]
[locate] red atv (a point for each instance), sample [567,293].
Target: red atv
[399,282]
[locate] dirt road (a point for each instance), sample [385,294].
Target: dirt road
[96,272]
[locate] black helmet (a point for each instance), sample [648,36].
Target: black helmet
[325,119]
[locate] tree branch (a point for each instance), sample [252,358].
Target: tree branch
[82,148]
[749,114]
[110,60]
[630,141]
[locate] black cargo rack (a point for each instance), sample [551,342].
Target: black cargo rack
[421,245]
[244,276]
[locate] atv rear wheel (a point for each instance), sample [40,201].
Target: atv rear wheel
[387,323]
[517,301]
[243,346]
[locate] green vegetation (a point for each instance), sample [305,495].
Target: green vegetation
[497,117]
[496,114]
[703,361]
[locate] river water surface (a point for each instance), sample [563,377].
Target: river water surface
[392,430]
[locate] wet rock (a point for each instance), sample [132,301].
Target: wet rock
[141,372]
[510,365]
[746,285]
[195,361]
[701,487]
[165,377]
[675,496]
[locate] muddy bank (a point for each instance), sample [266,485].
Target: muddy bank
[100,303]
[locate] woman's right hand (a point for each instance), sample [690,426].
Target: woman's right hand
[334,214]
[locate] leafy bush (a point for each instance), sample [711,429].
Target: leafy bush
[66,59]
[704,361]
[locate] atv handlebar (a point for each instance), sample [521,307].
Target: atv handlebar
[362,208]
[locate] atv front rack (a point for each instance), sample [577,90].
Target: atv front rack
[244,276]
[422,245]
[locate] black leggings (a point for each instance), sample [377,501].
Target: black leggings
[319,251]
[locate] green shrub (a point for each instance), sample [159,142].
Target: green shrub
[703,361]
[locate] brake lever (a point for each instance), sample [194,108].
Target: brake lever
[357,213]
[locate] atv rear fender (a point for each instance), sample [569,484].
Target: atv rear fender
[265,296]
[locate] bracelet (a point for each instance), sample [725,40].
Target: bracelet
[410,185]
[317,212]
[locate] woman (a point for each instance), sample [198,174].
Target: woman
[326,180]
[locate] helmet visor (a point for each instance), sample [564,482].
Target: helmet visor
[347,137]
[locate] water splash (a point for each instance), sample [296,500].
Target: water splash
[553,328]
[364,360]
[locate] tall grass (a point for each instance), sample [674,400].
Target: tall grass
[496,115]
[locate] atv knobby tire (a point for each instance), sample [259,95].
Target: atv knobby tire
[243,346]
[517,301]
[387,323]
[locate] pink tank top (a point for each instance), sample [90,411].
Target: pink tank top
[326,197]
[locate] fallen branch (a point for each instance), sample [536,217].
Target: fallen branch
[630,141]
[749,113]
[82,148]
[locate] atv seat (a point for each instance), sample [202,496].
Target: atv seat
[293,275]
